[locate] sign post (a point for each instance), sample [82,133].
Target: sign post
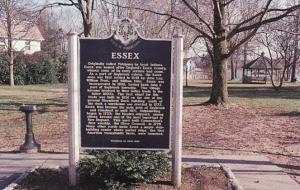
[177,111]
[73,106]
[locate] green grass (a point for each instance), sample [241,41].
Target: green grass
[288,98]
[38,94]
[49,96]
[55,95]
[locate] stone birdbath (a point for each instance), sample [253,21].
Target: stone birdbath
[30,145]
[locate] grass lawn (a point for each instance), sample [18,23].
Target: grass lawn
[248,94]
[258,120]
[47,95]
[55,95]
[50,122]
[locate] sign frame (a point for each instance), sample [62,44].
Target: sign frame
[74,112]
[170,88]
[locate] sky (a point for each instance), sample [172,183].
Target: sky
[69,18]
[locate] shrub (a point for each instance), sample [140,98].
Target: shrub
[116,169]
[4,71]
[41,68]
[20,71]
[38,68]
[62,69]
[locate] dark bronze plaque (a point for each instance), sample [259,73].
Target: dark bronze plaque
[125,93]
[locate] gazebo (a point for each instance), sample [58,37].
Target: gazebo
[258,70]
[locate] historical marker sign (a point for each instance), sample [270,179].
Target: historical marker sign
[125,84]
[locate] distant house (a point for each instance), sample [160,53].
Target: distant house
[26,39]
[198,68]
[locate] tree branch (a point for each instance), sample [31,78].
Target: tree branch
[195,39]
[235,47]
[164,24]
[197,15]
[72,3]
[261,22]
[205,35]
[227,3]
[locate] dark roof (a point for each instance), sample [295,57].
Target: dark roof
[261,62]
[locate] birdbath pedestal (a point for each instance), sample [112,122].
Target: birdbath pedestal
[30,145]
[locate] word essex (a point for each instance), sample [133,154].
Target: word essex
[125,55]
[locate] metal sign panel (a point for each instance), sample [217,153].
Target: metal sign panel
[125,84]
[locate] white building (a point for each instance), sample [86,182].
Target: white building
[198,68]
[26,39]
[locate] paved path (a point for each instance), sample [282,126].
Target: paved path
[252,172]
[12,165]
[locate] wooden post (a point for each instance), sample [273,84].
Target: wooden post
[73,106]
[177,111]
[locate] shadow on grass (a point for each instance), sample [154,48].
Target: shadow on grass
[60,100]
[245,162]
[241,150]
[246,92]
[195,105]
[289,114]
[46,110]
[53,152]
[13,102]
[159,182]
[10,152]
[292,167]
[41,108]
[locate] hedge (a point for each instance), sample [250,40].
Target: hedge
[38,68]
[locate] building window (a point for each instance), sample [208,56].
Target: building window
[27,45]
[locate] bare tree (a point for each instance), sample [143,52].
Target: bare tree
[209,19]
[106,15]
[16,20]
[281,50]
[86,8]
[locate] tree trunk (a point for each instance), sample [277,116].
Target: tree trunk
[293,75]
[296,49]
[10,50]
[245,59]
[219,92]
[186,77]
[281,79]
[236,69]
[11,68]
[287,77]
[87,27]
[232,68]
[86,13]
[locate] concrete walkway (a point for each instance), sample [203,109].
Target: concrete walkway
[13,165]
[252,172]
